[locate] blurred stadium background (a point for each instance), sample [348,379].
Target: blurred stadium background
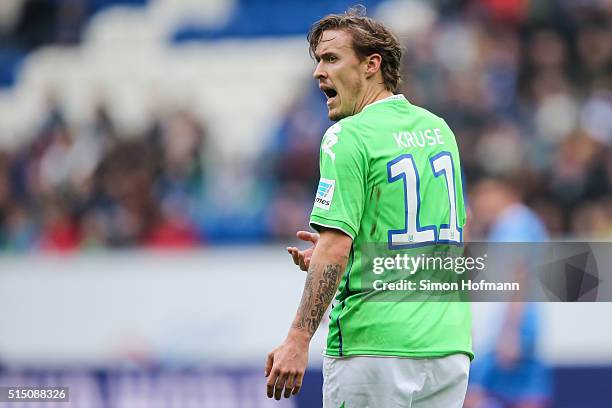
[157,156]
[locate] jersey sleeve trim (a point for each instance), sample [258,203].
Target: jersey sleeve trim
[317,221]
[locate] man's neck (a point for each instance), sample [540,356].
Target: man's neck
[373,95]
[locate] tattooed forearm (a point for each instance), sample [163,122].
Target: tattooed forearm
[319,291]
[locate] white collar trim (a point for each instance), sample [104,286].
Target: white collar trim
[387,99]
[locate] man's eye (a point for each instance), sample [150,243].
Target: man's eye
[331,58]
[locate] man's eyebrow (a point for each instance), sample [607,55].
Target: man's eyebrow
[318,57]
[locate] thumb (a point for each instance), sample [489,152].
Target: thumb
[308,236]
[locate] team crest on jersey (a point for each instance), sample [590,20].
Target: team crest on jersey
[330,139]
[325,193]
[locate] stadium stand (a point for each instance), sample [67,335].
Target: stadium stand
[174,124]
[527,90]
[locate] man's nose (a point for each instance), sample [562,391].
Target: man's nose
[319,72]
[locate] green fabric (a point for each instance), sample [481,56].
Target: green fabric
[358,195]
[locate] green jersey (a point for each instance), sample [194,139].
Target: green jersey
[391,175]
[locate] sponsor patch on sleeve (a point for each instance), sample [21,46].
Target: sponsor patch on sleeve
[325,193]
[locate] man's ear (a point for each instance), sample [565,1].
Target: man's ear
[372,65]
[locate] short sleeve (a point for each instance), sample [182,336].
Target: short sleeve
[340,197]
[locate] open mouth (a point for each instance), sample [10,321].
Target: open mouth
[330,93]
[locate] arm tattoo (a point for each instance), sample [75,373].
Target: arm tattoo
[317,296]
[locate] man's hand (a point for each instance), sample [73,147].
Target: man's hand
[508,349]
[285,367]
[302,258]
[286,364]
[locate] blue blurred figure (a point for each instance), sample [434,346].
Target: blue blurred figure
[508,373]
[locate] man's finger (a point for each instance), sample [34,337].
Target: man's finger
[297,386]
[269,363]
[280,384]
[271,381]
[294,254]
[307,236]
[303,265]
[289,385]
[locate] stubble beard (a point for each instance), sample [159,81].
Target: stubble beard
[357,86]
[336,117]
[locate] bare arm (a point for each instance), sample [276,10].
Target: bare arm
[324,274]
[286,364]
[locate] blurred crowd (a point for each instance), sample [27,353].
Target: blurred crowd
[88,187]
[525,85]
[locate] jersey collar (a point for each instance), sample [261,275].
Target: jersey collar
[387,99]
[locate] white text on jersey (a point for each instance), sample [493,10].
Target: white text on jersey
[418,138]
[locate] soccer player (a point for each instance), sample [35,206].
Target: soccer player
[389,174]
[509,372]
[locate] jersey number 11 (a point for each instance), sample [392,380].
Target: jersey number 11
[413,235]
